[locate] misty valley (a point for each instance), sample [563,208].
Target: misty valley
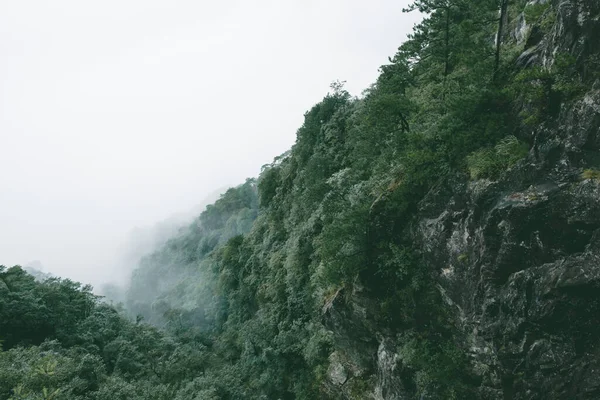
[436,237]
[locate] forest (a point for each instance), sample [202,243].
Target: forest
[241,304]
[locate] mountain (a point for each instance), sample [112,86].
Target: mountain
[144,240]
[436,238]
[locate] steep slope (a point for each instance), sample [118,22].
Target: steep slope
[170,280]
[436,238]
[518,256]
[379,269]
[515,257]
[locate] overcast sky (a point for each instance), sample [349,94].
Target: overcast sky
[119,113]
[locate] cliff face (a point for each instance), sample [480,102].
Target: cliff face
[516,260]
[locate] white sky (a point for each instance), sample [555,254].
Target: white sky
[119,113]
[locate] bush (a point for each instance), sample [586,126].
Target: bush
[483,163]
[489,163]
[541,15]
[510,150]
[591,173]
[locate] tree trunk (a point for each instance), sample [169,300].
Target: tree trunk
[499,35]
[447,45]
[446,52]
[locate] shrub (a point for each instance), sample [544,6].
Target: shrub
[483,163]
[510,150]
[488,163]
[591,173]
[541,15]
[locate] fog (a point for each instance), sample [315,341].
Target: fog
[115,115]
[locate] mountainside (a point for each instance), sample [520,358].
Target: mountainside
[175,279]
[436,238]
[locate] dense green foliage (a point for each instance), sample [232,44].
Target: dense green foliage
[60,342]
[238,294]
[168,283]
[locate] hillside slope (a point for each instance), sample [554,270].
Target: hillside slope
[436,238]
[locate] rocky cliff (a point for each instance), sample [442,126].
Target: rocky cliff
[516,259]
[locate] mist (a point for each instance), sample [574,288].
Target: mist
[117,115]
